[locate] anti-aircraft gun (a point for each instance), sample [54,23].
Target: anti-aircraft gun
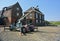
[19,23]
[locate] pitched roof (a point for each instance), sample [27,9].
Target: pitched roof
[34,9]
[9,7]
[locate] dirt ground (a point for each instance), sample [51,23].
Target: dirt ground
[47,33]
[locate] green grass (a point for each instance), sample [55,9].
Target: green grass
[55,22]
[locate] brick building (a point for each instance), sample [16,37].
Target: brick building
[36,17]
[12,13]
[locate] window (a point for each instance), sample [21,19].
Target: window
[30,15]
[36,15]
[5,9]
[17,8]
[17,14]
[40,16]
[43,21]
[36,21]
[40,21]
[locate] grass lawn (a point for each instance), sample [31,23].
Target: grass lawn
[55,22]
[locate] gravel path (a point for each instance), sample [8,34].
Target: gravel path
[44,34]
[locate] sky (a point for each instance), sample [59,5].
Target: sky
[50,8]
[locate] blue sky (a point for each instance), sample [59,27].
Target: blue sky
[50,8]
